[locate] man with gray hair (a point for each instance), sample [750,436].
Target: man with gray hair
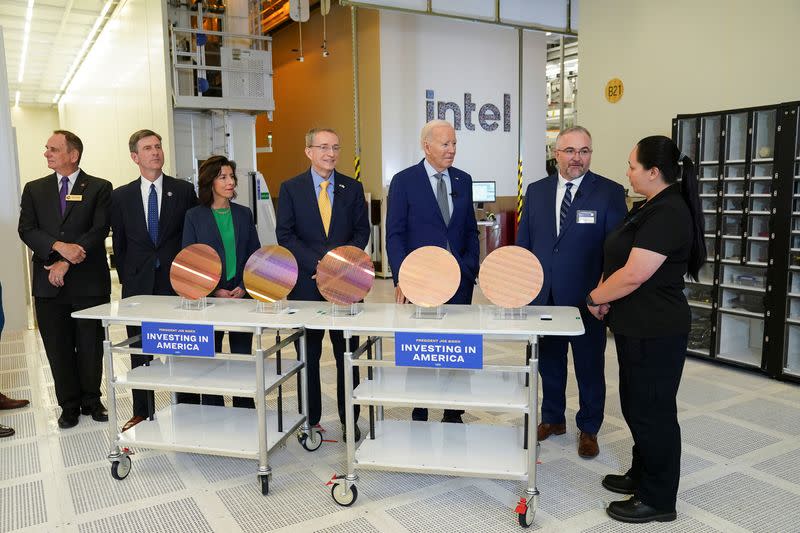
[430,204]
[565,220]
[319,210]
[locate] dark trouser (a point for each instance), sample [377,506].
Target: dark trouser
[313,354]
[588,356]
[240,342]
[74,349]
[649,376]
[143,400]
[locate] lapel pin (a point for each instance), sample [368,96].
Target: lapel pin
[341,185]
[83,185]
[169,193]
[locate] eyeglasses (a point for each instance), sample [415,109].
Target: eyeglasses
[327,148]
[583,152]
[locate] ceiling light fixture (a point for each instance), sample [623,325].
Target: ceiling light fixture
[83,51]
[25,38]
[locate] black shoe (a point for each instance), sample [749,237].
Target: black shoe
[344,434]
[68,418]
[452,418]
[634,511]
[98,412]
[620,484]
[420,414]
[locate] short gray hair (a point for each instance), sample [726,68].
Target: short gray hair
[425,134]
[573,129]
[313,131]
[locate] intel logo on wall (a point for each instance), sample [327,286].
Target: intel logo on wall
[488,115]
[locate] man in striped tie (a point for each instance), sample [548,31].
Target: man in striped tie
[565,220]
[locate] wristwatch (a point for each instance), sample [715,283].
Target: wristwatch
[590,302]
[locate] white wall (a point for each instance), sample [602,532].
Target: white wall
[682,56]
[33,125]
[122,86]
[451,57]
[12,267]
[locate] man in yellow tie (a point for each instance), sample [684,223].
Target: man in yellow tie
[318,211]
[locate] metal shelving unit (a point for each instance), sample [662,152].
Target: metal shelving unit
[752,217]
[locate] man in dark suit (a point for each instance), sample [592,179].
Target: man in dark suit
[318,211]
[430,204]
[147,222]
[565,220]
[64,220]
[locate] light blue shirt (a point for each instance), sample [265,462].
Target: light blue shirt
[319,179]
[435,183]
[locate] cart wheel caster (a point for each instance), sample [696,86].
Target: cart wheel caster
[120,469]
[264,484]
[310,442]
[342,496]
[524,513]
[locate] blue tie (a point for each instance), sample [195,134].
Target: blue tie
[565,203]
[152,216]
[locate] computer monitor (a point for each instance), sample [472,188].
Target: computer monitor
[483,191]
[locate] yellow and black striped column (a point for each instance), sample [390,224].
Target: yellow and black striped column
[357,167]
[519,191]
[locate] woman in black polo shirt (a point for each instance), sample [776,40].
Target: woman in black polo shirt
[641,295]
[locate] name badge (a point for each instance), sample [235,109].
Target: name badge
[586,217]
[74,197]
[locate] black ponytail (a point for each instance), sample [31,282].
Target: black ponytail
[661,152]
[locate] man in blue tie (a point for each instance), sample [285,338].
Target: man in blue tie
[147,221]
[565,220]
[430,204]
[64,219]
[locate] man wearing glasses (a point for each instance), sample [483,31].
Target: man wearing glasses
[318,211]
[565,220]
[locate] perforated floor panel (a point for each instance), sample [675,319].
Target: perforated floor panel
[740,467]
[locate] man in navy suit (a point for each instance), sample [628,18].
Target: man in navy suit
[318,211]
[430,204]
[147,222]
[565,220]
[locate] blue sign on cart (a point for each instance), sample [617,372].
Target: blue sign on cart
[178,339]
[438,350]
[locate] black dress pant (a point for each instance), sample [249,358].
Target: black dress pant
[240,342]
[649,376]
[143,400]
[313,354]
[74,348]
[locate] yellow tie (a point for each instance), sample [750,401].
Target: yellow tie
[324,202]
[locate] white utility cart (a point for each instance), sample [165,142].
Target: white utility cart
[478,450]
[206,429]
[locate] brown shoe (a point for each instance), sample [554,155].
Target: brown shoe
[587,445]
[132,422]
[545,430]
[9,403]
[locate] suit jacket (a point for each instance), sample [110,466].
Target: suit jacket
[413,220]
[572,261]
[134,253]
[300,228]
[85,222]
[201,227]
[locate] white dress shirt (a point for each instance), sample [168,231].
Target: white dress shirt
[561,190]
[145,186]
[72,179]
